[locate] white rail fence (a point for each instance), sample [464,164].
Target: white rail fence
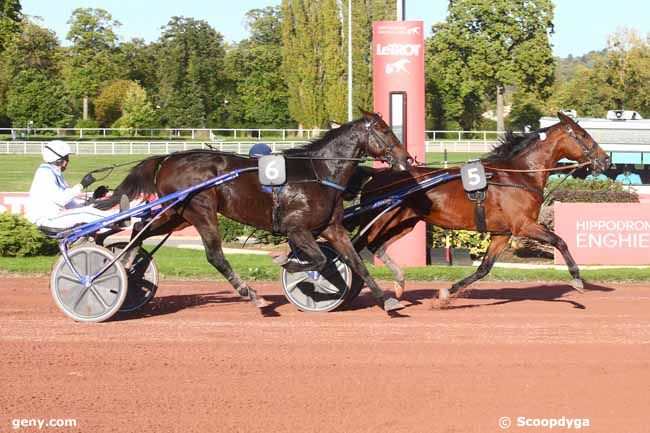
[162,147]
[242,147]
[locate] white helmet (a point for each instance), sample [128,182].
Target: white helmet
[55,150]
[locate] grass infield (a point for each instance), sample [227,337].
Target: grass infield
[177,263]
[16,171]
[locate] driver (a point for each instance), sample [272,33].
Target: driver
[52,203]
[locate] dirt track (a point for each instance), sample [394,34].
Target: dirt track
[201,360]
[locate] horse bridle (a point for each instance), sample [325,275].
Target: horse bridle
[588,152]
[384,147]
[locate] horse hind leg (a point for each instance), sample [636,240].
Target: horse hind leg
[497,244]
[304,240]
[208,228]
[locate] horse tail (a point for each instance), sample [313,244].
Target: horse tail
[139,181]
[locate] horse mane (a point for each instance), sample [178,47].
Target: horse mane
[320,142]
[513,143]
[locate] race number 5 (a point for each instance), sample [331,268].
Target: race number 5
[272,170]
[473,176]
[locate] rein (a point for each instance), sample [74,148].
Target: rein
[110,168]
[540,170]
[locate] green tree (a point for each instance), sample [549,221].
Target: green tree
[191,64]
[258,96]
[302,61]
[364,12]
[10,25]
[615,79]
[486,45]
[110,101]
[35,89]
[137,111]
[141,63]
[94,56]
[314,60]
[10,19]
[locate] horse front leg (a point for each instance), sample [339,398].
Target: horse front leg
[338,238]
[497,244]
[543,234]
[398,273]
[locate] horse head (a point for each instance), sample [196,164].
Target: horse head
[382,143]
[580,146]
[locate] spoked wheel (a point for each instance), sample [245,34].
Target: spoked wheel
[318,291]
[86,301]
[142,277]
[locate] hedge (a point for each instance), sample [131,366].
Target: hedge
[19,238]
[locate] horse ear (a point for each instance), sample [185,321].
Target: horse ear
[366,115]
[569,121]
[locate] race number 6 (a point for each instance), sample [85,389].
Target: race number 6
[271,170]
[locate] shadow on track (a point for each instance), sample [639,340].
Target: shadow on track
[543,292]
[170,304]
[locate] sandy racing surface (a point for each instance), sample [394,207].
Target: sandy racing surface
[201,360]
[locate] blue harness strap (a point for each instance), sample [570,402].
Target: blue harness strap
[333,185]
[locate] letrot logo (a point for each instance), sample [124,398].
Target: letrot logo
[398,66]
[411,50]
[413,30]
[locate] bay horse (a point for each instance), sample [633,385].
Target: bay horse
[309,205]
[519,168]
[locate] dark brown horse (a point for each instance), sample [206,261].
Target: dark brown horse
[519,168]
[309,205]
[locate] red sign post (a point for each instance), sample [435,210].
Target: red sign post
[398,60]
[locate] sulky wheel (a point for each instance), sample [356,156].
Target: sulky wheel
[94,301]
[142,277]
[355,289]
[318,291]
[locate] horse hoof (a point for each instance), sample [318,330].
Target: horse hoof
[399,287]
[242,291]
[578,285]
[392,304]
[443,294]
[260,302]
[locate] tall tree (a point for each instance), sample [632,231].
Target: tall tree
[94,56]
[140,63]
[36,94]
[302,61]
[490,44]
[364,12]
[191,63]
[258,97]
[10,19]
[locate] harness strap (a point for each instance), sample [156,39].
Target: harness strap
[276,211]
[517,185]
[479,217]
